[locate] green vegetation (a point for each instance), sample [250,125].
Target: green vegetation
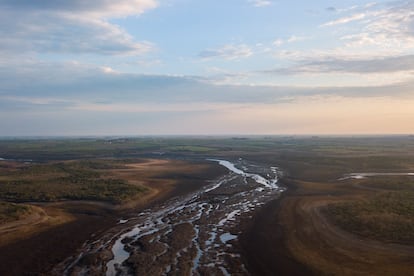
[11,211]
[387,216]
[82,148]
[76,180]
[395,183]
[185,148]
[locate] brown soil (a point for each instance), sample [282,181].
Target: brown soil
[263,245]
[65,226]
[292,237]
[143,262]
[37,220]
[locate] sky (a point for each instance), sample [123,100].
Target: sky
[233,67]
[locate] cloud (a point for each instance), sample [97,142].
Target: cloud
[379,47]
[70,35]
[327,114]
[383,31]
[295,38]
[292,39]
[74,98]
[229,52]
[278,42]
[344,20]
[71,85]
[392,28]
[69,27]
[360,66]
[260,3]
[90,8]
[351,8]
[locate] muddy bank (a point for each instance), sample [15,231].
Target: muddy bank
[263,243]
[38,254]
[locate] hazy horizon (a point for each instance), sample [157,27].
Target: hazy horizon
[181,67]
[204,136]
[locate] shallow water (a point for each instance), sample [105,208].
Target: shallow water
[227,237]
[371,174]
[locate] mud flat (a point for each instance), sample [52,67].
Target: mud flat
[193,235]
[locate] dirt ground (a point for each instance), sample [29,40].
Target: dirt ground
[57,230]
[292,237]
[38,220]
[263,245]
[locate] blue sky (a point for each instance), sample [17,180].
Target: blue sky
[139,67]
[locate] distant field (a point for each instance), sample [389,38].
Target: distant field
[281,146]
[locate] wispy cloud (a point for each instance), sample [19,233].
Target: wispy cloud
[260,3]
[381,46]
[382,30]
[344,20]
[360,66]
[391,28]
[351,8]
[78,27]
[90,8]
[229,52]
[100,88]
[346,9]
[292,39]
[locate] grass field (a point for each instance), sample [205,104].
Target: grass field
[387,216]
[74,180]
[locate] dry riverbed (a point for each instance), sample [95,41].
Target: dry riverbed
[196,234]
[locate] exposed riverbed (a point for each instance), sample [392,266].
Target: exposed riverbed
[192,235]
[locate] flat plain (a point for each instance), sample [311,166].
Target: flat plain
[55,194]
